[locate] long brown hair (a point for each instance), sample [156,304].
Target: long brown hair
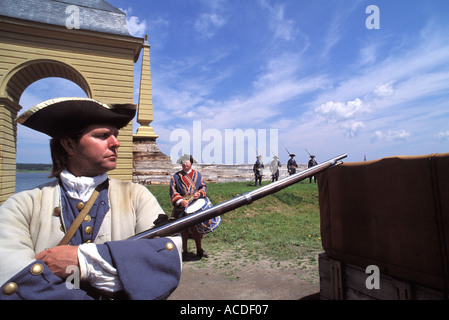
[59,155]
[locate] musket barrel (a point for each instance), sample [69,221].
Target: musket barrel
[193,219]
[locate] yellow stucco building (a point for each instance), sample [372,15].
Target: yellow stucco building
[86,42]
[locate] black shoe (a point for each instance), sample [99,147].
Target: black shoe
[201,253]
[187,256]
[184,256]
[190,256]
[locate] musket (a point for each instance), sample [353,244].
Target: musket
[308,152]
[178,225]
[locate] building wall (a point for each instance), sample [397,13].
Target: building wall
[101,64]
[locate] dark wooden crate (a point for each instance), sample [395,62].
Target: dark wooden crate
[342,281]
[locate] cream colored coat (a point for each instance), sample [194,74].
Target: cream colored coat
[28,224]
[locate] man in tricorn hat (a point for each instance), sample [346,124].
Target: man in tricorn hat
[291,164]
[75,227]
[274,167]
[257,169]
[185,186]
[312,162]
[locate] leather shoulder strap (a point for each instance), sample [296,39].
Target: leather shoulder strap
[80,218]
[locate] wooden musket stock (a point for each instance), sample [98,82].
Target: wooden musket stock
[178,225]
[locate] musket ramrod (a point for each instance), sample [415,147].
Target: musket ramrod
[175,226]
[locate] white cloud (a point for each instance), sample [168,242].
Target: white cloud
[278,69]
[392,135]
[208,23]
[384,90]
[408,74]
[270,91]
[336,26]
[443,136]
[136,27]
[282,28]
[341,110]
[353,128]
[189,96]
[368,54]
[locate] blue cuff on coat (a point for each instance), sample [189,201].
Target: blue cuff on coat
[37,282]
[149,269]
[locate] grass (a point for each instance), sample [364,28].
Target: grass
[283,226]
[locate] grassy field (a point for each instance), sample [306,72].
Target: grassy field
[283,226]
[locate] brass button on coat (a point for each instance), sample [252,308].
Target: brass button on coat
[87,218]
[9,288]
[89,230]
[80,206]
[169,246]
[57,211]
[36,269]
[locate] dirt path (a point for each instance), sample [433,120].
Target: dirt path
[222,277]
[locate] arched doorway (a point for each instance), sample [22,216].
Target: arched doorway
[100,61]
[32,146]
[29,72]
[33,152]
[46,79]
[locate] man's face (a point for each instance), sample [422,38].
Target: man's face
[96,151]
[186,165]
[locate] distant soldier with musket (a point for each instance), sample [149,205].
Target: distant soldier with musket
[312,162]
[291,164]
[257,169]
[274,167]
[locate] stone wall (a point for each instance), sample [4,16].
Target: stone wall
[151,166]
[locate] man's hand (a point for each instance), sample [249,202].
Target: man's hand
[184,203]
[59,258]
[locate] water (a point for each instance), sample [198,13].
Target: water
[29,180]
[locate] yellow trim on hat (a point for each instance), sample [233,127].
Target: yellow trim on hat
[24,116]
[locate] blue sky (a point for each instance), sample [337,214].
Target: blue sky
[311,70]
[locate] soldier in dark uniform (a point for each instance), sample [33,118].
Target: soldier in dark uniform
[312,162]
[291,164]
[257,169]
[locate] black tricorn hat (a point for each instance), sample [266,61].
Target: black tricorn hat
[68,116]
